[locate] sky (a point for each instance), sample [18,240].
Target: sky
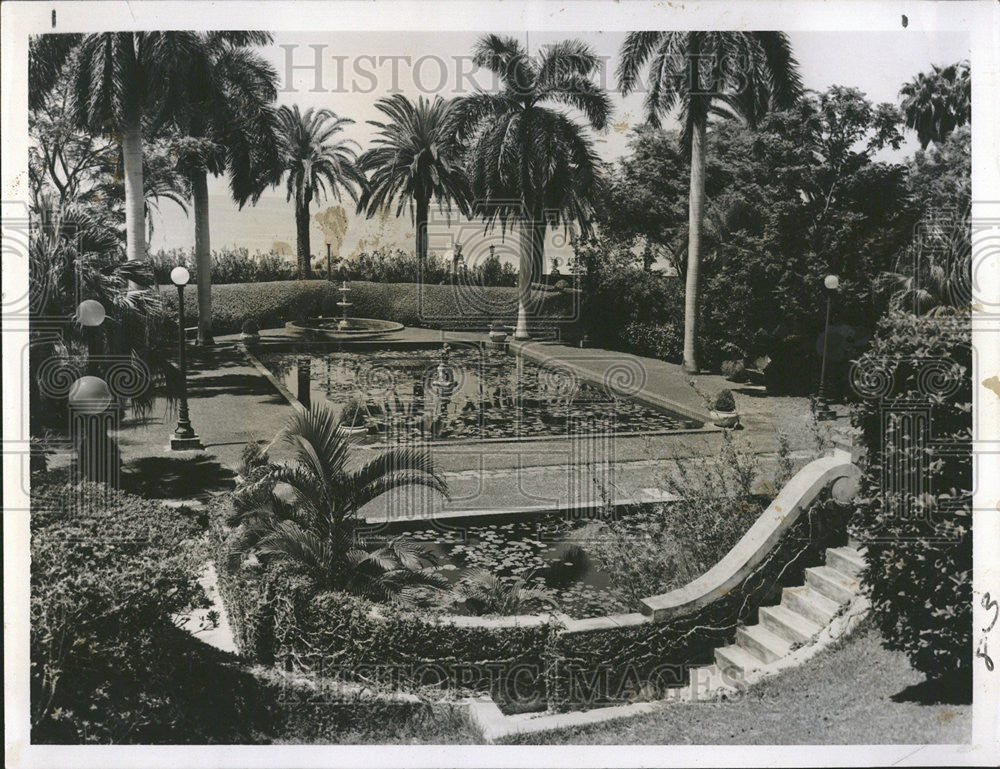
[356,69]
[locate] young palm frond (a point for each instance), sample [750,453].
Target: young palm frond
[485,593]
[302,514]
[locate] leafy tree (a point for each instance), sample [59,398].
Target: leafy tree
[414,159]
[125,84]
[314,162]
[732,74]
[530,165]
[935,103]
[313,531]
[229,128]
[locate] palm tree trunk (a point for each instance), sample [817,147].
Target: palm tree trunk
[202,255]
[696,215]
[423,204]
[135,201]
[529,269]
[302,240]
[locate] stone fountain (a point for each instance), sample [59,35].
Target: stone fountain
[346,328]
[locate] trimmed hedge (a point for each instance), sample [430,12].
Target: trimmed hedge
[412,304]
[108,570]
[915,417]
[279,619]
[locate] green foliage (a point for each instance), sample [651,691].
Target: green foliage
[275,303]
[938,102]
[788,201]
[724,401]
[312,529]
[916,518]
[353,413]
[108,571]
[481,592]
[229,265]
[718,498]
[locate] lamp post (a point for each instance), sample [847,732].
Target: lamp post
[329,275]
[184,437]
[823,411]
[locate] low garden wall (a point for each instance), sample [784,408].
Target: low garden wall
[272,304]
[538,661]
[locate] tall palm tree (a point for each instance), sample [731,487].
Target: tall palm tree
[415,159]
[936,103]
[125,82]
[529,164]
[315,163]
[314,532]
[230,128]
[728,74]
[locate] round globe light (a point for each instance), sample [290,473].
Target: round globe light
[90,313]
[89,395]
[832,282]
[179,276]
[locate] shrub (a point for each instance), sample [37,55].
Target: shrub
[655,340]
[250,326]
[915,417]
[229,265]
[108,571]
[734,371]
[353,414]
[724,401]
[718,498]
[273,304]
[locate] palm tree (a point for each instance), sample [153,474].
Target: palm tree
[125,82]
[231,129]
[482,592]
[528,164]
[936,103]
[415,158]
[315,163]
[314,531]
[727,74]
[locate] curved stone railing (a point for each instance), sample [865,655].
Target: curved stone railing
[834,470]
[798,494]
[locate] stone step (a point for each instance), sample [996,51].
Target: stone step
[706,681]
[831,583]
[790,625]
[735,662]
[809,603]
[762,643]
[846,560]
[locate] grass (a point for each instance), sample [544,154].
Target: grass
[853,693]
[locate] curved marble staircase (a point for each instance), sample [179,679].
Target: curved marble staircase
[804,612]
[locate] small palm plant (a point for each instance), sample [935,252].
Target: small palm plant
[482,592]
[302,514]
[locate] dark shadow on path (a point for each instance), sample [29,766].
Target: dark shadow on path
[176,477]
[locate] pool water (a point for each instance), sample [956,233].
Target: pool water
[490,395]
[541,550]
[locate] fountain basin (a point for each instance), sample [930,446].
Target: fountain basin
[337,329]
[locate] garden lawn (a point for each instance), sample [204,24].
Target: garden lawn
[272,304]
[854,693]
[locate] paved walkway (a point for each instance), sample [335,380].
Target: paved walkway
[232,403]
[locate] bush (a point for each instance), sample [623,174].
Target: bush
[724,401]
[250,326]
[654,340]
[353,414]
[273,304]
[915,417]
[229,265]
[108,571]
